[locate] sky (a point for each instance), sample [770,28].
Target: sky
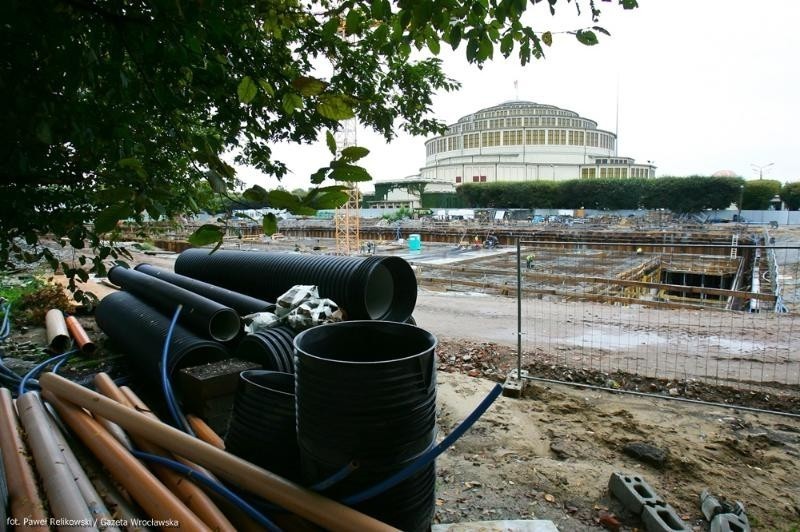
[702,85]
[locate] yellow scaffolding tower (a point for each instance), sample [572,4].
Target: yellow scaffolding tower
[347,217]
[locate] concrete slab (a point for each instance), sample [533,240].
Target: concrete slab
[511,525]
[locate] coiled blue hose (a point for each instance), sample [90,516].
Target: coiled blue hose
[38,368]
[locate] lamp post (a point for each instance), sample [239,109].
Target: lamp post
[760,168]
[741,198]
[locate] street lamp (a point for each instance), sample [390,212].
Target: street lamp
[760,168]
[741,198]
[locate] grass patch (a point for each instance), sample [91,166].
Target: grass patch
[31,298]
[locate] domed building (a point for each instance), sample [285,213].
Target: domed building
[525,141]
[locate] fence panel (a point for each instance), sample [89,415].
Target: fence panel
[721,314]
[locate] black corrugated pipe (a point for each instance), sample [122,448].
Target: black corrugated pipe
[371,288]
[241,303]
[366,391]
[200,314]
[139,331]
[262,428]
[272,348]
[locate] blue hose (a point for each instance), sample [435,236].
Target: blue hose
[35,371]
[166,386]
[211,484]
[428,456]
[337,477]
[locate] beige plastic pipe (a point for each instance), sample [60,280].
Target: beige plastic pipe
[63,496]
[305,503]
[91,498]
[25,500]
[57,333]
[191,495]
[204,432]
[156,500]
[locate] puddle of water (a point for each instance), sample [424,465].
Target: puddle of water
[617,341]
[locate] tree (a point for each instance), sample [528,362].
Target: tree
[758,193]
[113,109]
[791,195]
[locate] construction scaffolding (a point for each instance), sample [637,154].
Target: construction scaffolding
[347,217]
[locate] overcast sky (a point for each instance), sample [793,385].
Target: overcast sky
[704,85]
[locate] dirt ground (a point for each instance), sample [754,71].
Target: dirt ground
[550,454]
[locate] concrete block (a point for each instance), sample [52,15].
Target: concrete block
[662,517]
[709,505]
[513,386]
[632,491]
[211,380]
[730,523]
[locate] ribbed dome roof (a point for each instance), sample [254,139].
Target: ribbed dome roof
[518,104]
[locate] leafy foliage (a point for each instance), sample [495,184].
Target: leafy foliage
[678,194]
[790,193]
[758,193]
[117,110]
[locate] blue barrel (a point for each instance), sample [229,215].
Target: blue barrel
[414,242]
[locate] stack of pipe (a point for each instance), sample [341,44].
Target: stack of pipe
[367,288]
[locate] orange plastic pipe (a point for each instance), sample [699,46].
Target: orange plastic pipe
[313,506]
[191,495]
[78,333]
[25,500]
[204,432]
[156,500]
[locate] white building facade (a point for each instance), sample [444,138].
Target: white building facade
[526,141]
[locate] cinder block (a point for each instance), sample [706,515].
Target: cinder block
[730,523]
[211,380]
[632,491]
[662,517]
[709,505]
[514,385]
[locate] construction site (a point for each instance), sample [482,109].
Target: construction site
[648,365]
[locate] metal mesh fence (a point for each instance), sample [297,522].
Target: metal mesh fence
[721,314]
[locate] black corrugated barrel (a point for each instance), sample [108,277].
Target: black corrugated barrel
[241,303]
[199,313]
[262,428]
[366,391]
[140,330]
[272,348]
[371,288]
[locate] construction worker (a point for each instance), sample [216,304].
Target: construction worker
[529,262]
[639,251]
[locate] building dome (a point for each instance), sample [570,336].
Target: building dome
[724,173]
[523,141]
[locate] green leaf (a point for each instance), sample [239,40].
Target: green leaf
[269,224]
[334,107]
[350,173]
[352,23]
[247,89]
[132,163]
[587,37]
[206,234]
[331,200]
[433,44]
[308,86]
[547,38]
[266,87]
[354,153]
[217,183]
[320,175]
[629,4]
[601,30]
[255,194]
[331,142]
[280,199]
[291,101]
[507,44]
[107,219]
[43,133]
